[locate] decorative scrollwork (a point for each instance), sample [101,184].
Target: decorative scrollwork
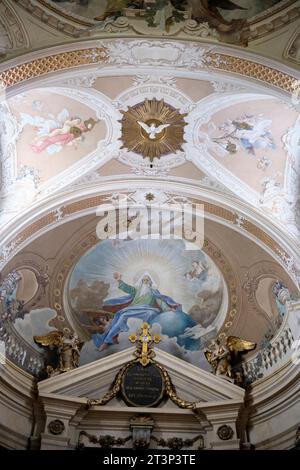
[144,355]
[171,390]
[115,388]
[105,442]
[177,443]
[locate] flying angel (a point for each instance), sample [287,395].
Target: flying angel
[55,132]
[152,130]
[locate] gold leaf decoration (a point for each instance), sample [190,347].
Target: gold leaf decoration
[167,125]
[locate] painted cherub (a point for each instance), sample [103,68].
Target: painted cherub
[195,273]
[71,131]
[55,132]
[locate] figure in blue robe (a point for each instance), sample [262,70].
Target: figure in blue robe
[145,303]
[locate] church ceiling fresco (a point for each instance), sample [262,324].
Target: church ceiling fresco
[241,22]
[198,9]
[13,36]
[251,135]
[292,49]
[183,290]
[54,132]
[248,140]
[71,281]
[222,20]
[239,142]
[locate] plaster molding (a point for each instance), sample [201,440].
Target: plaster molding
[12,439]
[273,19]
[262,231]
[63,397]
[292,49]
[190,55]
[275,397]
[16,378]
[91,375]
[112,55]
[16,32]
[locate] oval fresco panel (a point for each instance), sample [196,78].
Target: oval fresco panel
[117,285]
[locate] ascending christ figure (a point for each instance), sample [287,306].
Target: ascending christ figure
[143,302]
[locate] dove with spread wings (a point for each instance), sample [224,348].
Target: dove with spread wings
[152,130]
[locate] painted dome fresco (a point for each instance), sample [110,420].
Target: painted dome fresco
[190,292]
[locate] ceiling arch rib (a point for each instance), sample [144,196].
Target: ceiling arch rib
[186,57]
[236,216]
[201,113]
[272,189]
[163,116]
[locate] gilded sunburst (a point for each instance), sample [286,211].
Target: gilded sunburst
[153,128]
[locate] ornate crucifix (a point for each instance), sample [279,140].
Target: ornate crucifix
[130,377]
[144,344]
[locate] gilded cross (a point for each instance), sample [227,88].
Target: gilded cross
[144,340]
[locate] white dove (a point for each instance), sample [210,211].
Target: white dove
[152,130]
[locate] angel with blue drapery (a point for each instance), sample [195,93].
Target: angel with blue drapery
[147,304]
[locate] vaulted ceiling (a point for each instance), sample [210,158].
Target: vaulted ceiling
[68,85]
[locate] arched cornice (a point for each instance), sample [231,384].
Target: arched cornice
[14,28]
[226,210]
[190,56]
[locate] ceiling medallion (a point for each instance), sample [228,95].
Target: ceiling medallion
[152,129]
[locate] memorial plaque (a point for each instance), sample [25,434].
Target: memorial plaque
[143,386]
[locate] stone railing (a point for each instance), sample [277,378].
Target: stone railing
[19,352]
[279,350]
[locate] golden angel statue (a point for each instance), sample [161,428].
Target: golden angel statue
[224,358]
[67,346]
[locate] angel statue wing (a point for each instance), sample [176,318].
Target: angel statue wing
[239,345]
[208,355]
[54,338]
[145,127]
[161,128]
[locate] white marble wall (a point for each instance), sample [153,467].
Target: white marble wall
[17,396]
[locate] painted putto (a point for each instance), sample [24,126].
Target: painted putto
[245,132]
[54,133]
